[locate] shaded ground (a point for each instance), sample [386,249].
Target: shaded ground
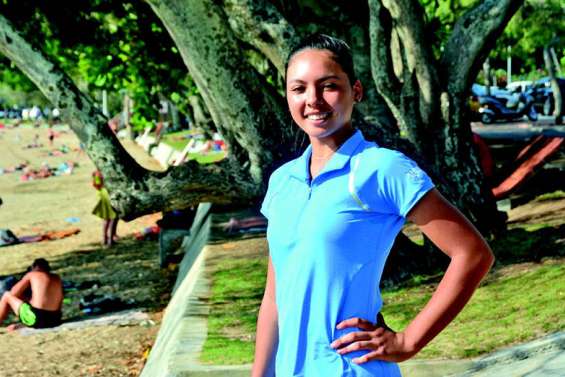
[129,270]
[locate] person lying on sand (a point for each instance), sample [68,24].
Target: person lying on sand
[43,310]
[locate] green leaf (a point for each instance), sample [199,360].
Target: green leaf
[100,80]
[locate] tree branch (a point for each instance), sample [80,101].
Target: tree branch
[380,29]
[134,190]
[473,37]
[260,24]
[408,17]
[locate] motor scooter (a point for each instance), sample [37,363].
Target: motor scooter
[494,109]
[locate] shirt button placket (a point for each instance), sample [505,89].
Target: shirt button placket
[309,185]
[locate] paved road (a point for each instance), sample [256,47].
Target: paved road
[519,130]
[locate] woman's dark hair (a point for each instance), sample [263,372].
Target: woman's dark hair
[41,264]
[339,49]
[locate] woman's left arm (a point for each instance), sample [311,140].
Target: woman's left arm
[471,258]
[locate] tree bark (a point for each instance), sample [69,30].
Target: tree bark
[394,79]
[260,24]
[557,95]
[418,54]
[472,38]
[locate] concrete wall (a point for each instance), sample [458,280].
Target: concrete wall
[183,329]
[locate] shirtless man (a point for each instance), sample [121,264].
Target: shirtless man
[44,308]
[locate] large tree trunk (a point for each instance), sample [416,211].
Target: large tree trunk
[428,97]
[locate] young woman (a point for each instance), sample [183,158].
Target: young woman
[333,215]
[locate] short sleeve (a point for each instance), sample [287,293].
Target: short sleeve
[271,189]
[401,183]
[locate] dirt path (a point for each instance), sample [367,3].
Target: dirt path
[129,270]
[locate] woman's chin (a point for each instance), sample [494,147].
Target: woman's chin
[318,129]
[318,133]
[325,130]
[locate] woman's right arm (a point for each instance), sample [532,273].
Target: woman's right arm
[266,339]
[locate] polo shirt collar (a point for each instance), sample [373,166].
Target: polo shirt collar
[340,158]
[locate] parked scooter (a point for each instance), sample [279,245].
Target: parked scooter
[494,109]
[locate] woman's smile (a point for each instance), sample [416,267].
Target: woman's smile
[319,94]
[318,118]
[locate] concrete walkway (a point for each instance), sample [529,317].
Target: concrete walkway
[517,130]
[543,357]
[183,332]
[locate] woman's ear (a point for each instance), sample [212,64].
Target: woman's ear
[357,91]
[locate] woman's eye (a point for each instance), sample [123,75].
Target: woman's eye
[330,86]
[297,89]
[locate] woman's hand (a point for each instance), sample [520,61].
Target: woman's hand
[381,342]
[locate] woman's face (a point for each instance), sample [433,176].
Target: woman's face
[319,94]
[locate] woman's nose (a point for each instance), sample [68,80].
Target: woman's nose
[314,97]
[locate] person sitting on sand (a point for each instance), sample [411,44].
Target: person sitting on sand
[43,310]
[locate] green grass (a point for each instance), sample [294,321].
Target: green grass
[559,194]
[507,309]
[534,227]
[178,141]
[220,350]
[237,290]
[522,299]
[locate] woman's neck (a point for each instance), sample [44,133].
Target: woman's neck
[324,148]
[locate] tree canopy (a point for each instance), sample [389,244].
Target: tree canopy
[536,25]
[118,46]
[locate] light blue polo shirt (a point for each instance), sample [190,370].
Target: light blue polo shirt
[329,240]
